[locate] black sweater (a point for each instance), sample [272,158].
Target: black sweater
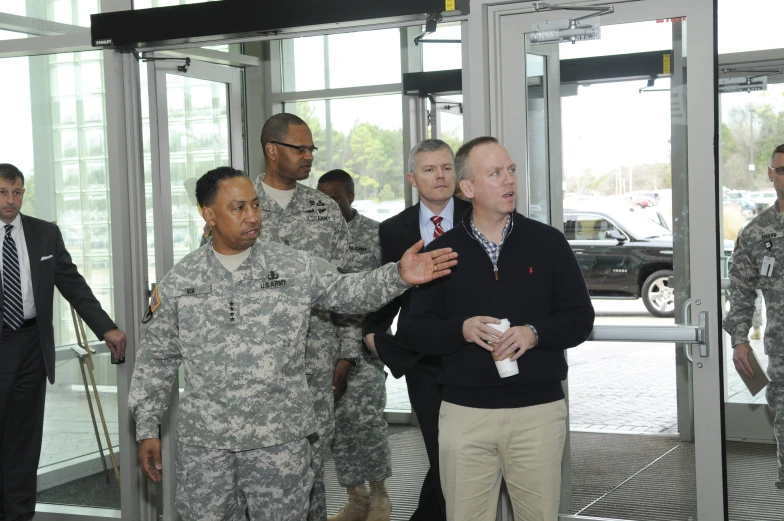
[539,283]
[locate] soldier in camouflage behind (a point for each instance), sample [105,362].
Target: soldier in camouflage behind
[360,446]
[758,263]
[236,313]
[305,219]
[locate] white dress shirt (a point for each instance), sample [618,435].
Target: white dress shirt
[17,233]
[426,226]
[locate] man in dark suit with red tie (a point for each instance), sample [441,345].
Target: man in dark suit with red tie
[34,261]
[431,172]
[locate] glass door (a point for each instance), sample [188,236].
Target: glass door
[749,101]
[195,125]
[595,111]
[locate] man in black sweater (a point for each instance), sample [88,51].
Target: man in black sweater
[510,268]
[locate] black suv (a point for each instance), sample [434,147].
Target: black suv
[624,255]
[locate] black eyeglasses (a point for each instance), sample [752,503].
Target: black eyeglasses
[778,169]
[299,148]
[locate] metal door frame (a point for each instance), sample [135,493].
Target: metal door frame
[162,204]
[484,95]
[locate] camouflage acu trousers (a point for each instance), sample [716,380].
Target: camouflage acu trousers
[361,444]
[218,485]
[775,397]
[321,388]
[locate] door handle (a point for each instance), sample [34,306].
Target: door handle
[702,332]
[686,321]
[579,251]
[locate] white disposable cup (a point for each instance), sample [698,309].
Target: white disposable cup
[508,367]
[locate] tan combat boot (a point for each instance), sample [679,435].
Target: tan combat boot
[380,507]
[357,507]
[755,333]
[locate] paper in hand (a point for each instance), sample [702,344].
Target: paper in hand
[760,379]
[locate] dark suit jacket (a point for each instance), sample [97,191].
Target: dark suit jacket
[50,266]
[396,235]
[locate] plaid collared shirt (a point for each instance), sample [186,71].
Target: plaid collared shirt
[492,249]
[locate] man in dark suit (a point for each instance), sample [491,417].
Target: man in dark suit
[431,172]
[34,260]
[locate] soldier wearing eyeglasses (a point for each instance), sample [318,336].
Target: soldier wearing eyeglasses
[758,263]
[305,219]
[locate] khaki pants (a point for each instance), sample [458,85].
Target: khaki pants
[477,447]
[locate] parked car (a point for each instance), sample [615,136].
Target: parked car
[746,207]
[762,199]
[639,200]
[624,255]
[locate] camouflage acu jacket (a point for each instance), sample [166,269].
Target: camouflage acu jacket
[312,222]
[758,263]
[241,337]
[363,243]
[365,255]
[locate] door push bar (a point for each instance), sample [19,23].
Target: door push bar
[683,334]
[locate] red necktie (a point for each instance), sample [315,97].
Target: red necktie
[437,221]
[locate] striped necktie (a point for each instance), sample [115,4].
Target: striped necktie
[437,221]
[13,311]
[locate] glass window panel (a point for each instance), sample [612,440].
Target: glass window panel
[178,169]
[378,52]
[180,203]
[175,102]
[451,129]
[69,208]
[96,175]
[93,142]
[97,238]
[201,136]
[11,35]
[68,176]
[64,80]
[99,269]
[91,78]
[201,100]
[61,99]
[365,139]
[92,110]
[749,26]
[72,12]
[97,206]
[64,112]
[622,39]
[303,64]
[182,240]
[66,144]
[203,164]
[443,56]
[178,139]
